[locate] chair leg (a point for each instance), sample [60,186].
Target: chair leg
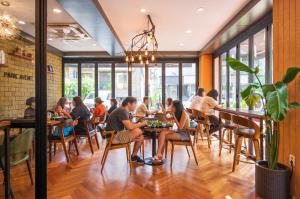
[97,141]
[230,140]
[105,151]
[221,138]
[194,155]
[129,156]
[54,149]
[76,147]
[50,152]
[143,150]
[29,171]
[201,131]
[66,152]
[104,159]
[187,150]
[172,153]
[238,144]
[90,143]
[256,147]
[166,148]
[208,136]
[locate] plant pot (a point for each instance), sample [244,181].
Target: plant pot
[272,184]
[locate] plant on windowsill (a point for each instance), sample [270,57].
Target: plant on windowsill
[272,179]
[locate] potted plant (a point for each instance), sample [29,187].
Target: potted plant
[272,179]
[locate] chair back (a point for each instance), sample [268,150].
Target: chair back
[20,145]
[89,125]
[245,122]
[225,116]
[109,135]
[62,125]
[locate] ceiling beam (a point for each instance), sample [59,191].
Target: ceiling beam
[90,15]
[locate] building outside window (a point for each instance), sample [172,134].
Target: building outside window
[71,81]
[172,81]
[188,83]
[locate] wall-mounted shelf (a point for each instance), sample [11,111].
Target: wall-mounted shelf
[21,56]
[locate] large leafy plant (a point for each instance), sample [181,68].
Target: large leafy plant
[275,103]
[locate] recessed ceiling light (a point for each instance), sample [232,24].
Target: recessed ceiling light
[143,10]
[200,9]
[94,44]
[5,3]
[50,39]
[188,31]
[22,22]
[56,10]
[181,44]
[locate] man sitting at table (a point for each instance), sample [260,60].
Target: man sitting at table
[142,109]
[126,130]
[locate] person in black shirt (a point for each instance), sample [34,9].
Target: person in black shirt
[30,111]
[126,130]
[80,112]
[113,105]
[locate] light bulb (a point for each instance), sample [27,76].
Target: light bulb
[146,52]
[141,62]
[152,58]
[147,61]
[140,57]
[126,59]
[132,58]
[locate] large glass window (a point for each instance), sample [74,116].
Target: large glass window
[259,54]
[188,83]
[172,81]
[232,81]
[244,77]
[223,79]
[105,83]
[121,81]
[71,80]
[155,84]
[138,81]
[88,84]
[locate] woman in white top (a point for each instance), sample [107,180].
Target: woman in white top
[208,104]
[196,102]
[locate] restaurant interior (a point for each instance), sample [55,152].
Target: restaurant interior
[146,99]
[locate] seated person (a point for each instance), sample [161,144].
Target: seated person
[113,105]
[126,131]
[208,104]
[66,130]
[196,101]
[81,113]
[181,119]
[99,112]
[30,110]
[142,109]
[169,102]
[60,108]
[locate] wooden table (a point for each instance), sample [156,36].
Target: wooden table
[153,132]
[251,115]
[5,126]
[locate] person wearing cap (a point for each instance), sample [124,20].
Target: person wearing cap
[99,111]
[30,110]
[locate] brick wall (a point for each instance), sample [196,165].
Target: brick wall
[14,92]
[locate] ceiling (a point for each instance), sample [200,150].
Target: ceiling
[172,19]
[24,10]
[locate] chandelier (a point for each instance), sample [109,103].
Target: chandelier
[143,46]
[8,28]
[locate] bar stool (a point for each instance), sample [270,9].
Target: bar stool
[246,129]
[228,127]
[203,122]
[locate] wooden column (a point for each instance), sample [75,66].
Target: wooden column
[206,72]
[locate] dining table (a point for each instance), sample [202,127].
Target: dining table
[251,114]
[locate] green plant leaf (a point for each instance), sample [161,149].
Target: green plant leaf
[249,90]
[249,96]
[237,65]
[290,75]
[294,105]
[256,70]
[277,105]
[267,88]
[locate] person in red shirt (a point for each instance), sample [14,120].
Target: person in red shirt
[99,112]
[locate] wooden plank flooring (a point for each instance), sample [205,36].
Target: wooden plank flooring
[81,179]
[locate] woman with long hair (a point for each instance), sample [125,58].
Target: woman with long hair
[60,109]
[80,112]
[181,119]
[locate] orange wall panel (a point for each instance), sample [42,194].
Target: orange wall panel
[206,72]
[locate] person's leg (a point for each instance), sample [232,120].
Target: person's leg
[137,136]
[214,123]
[163,136]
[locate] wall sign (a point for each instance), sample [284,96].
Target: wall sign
[18,76]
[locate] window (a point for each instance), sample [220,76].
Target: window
[71,81]
[105,83]
[232,81]
[155,84]
[121,81]
[88,84]
[188,83]
[244,77]
[138,81]
[172,81]
[223,79]
[259,54]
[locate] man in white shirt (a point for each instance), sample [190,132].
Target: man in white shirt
[142,109]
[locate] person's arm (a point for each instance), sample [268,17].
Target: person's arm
[130,126]
[182,121]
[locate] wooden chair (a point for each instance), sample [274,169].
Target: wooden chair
[110,146]
[63,140]
[89,132]
[203,125]
[228,127]
[186,143]
[246,129]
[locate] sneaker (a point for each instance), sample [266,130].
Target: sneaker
[137,159]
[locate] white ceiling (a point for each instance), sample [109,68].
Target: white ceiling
[172,18]
[25,10]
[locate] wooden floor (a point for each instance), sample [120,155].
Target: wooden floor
[81,179]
